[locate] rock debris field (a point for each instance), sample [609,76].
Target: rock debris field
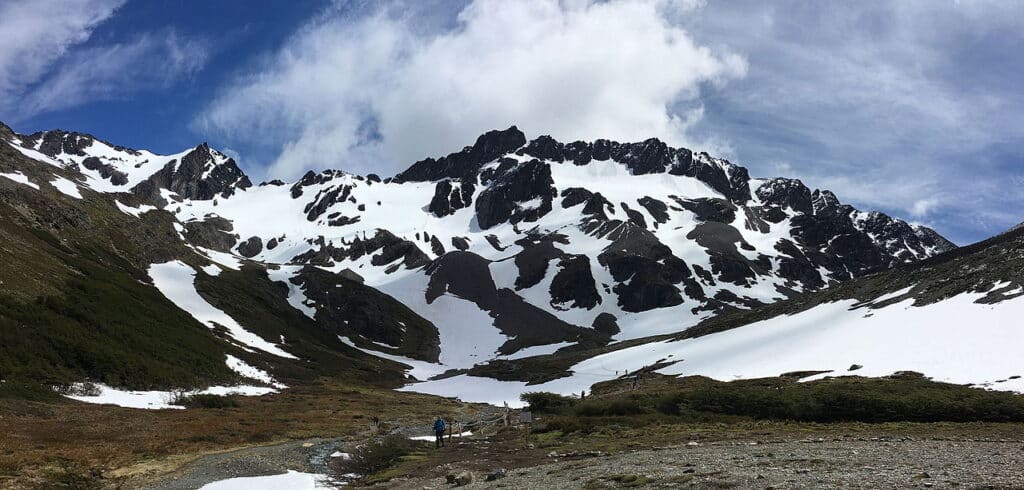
[813,463]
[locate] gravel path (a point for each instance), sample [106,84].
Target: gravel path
[309,455]
[881,463]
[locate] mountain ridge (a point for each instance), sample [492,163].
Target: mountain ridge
[507,248]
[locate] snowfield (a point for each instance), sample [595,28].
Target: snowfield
[293,480]
[19,178]
[955,341]
[157,400]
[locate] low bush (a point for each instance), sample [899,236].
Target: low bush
[848,399]
[374,456]
[609,407]
[543,402]
[204,401]
[903,400]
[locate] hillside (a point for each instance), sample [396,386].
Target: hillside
[155,271]
[952,317]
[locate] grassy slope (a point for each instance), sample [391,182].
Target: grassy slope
[72,301]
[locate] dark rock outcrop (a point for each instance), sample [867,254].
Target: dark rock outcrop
[197,176]
[251,247]
[213,233]
[465,164]
[450,197]
[521,193]
[573,285]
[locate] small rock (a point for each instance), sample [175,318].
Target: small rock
[496,474]
[462,479]
[693,443]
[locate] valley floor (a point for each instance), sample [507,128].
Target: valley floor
[74,445]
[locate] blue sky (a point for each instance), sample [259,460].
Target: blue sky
[910,107]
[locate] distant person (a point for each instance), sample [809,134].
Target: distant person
[439,427]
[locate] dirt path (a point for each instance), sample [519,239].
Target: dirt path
[838,463]
[310,455]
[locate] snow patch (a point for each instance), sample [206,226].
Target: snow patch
[66,187]
[296,297]
[19,178]
[134,211]
[241,367]
[431,437]
[176,280]
[293,480]
[157,400]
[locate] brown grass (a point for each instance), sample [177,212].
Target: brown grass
[38,438]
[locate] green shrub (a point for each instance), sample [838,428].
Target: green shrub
[205,401]
[612,407]
[374,456]
[543,402]
[860,400]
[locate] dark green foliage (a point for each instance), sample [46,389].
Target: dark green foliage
[543,402]
[374,456]
[205,401]
[107,327]
[629,405]
[848,399]
[862,401]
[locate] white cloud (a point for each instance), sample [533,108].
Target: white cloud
[114,71]
[376,94]
[36,34]
[922,207]
[48,61]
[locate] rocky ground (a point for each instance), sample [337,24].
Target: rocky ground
[307,455]
[809,463]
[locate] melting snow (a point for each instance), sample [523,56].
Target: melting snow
[296,297]
[241,367]
[66,187]
[420,369]
[156,400]
[134,211]
[19,178]
[954,341]
[431,438]
[176,281]
[293,480]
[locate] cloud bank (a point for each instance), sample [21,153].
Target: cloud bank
[48,62]
[911,107]
[376,93]
[36,34]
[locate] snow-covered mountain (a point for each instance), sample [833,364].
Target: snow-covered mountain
[954,318]
[506,249]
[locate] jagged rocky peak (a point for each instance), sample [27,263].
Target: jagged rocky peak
[651,156]
[466,163]
[6,133]
[200,174]
[786,193]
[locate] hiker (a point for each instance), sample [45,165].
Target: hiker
[439,427]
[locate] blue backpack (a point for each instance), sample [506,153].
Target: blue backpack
[439,426]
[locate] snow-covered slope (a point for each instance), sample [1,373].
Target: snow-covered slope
[954,318]
[507,248]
